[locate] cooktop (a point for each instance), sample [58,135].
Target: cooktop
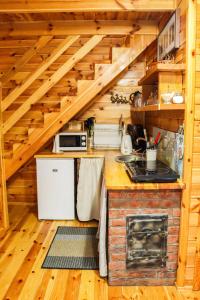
[143,171]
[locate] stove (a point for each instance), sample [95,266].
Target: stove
[143,171]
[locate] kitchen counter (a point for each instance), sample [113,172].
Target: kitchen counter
[115,175]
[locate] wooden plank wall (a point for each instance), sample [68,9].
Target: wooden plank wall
[192,263]
[164,119]
[22,186]
[105,111]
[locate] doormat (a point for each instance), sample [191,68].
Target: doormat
[73,248]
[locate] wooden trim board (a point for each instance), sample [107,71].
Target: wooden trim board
[62,47]
[189,121]
[40,43]
[4,220]
[83,27]
[85,6]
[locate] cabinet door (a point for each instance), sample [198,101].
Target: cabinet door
[55,188]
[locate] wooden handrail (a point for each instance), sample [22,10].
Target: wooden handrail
[40,43]
[62,47]
[48,84]
[4,220]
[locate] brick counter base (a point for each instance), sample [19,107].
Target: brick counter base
[124,203]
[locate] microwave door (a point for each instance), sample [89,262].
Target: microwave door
[71,142]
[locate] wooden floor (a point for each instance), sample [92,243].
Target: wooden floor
[23,250]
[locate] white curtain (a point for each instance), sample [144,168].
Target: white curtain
[89,188]
[102,233]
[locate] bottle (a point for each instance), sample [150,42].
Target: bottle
[126,143]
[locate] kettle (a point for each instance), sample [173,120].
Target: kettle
[126,143]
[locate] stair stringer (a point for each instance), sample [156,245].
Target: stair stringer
[41,135]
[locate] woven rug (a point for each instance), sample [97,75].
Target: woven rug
[73,248]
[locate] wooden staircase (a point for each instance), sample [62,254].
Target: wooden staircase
[25,142]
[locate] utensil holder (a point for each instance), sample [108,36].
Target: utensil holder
[151,154]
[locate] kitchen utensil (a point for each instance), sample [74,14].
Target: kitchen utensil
[137,136]
[107,136]
[126,144]
[157,138]
[167,97]
[128,158]
[177,99]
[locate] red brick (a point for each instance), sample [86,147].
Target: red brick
[121,194]
[135,274]
[172,257]
[173,230]
[117,231]
[116,265]
[119,213]
[126,203]
[118,257]
[171,266]
[118,222]
[172,248]
[170,222]
[172,239]
[119,248]
[166,275]
[117,240]
[154,211]
[176,212]
[140,282]
[146,195]
[176,221]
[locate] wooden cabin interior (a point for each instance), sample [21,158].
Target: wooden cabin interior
[63,62]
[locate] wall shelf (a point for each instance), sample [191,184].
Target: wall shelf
[160,79]
[157,107]
[152,74]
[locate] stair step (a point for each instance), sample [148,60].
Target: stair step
[117,52]
[16,146]
[67,100]
[30,130]
[54,121]
[8,154]
[48,117]
[100,69]
[17,130]
[82,85]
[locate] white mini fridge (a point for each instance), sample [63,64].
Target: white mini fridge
[55,188]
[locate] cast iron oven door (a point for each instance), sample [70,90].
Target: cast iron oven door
[146,241]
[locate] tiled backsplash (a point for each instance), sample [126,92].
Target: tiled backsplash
[168,149]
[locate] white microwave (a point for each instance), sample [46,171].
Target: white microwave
[70,141]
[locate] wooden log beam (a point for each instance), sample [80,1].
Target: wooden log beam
[4,220]
[196,277]
[189,136]
[41,42]
[32,6]
[47,85]
[82,27]
[62,47]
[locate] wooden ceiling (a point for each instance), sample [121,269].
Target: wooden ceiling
[133,16]
[30,6]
